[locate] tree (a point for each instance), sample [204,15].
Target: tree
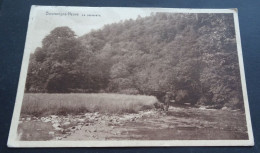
[192,55]
[52,65]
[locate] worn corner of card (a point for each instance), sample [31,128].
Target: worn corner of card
[131,77]
[235,9]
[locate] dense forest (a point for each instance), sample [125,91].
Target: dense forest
[193,56]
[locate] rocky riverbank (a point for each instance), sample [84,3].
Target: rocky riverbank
[177,124]
[96,125]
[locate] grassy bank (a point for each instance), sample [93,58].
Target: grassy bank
[62,104]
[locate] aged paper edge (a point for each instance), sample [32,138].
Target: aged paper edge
[12,142]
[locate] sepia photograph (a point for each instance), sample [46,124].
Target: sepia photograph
[116,77]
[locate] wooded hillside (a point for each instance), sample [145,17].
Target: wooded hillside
[193,56]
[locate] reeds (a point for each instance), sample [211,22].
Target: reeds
[41,104]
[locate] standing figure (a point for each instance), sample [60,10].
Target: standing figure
[167,100]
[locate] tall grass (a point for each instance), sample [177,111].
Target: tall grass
[61,104]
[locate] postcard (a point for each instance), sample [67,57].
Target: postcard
[131,77]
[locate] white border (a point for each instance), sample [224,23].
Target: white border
[12,142]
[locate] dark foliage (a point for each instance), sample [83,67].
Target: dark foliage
[191,55]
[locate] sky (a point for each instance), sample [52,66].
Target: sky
[42,21]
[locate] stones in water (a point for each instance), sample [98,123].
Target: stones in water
[28,119]
[66,123]
[45,119]
[58,138]
[81,120]
[57,127]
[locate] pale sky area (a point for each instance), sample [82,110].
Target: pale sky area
[40,24]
